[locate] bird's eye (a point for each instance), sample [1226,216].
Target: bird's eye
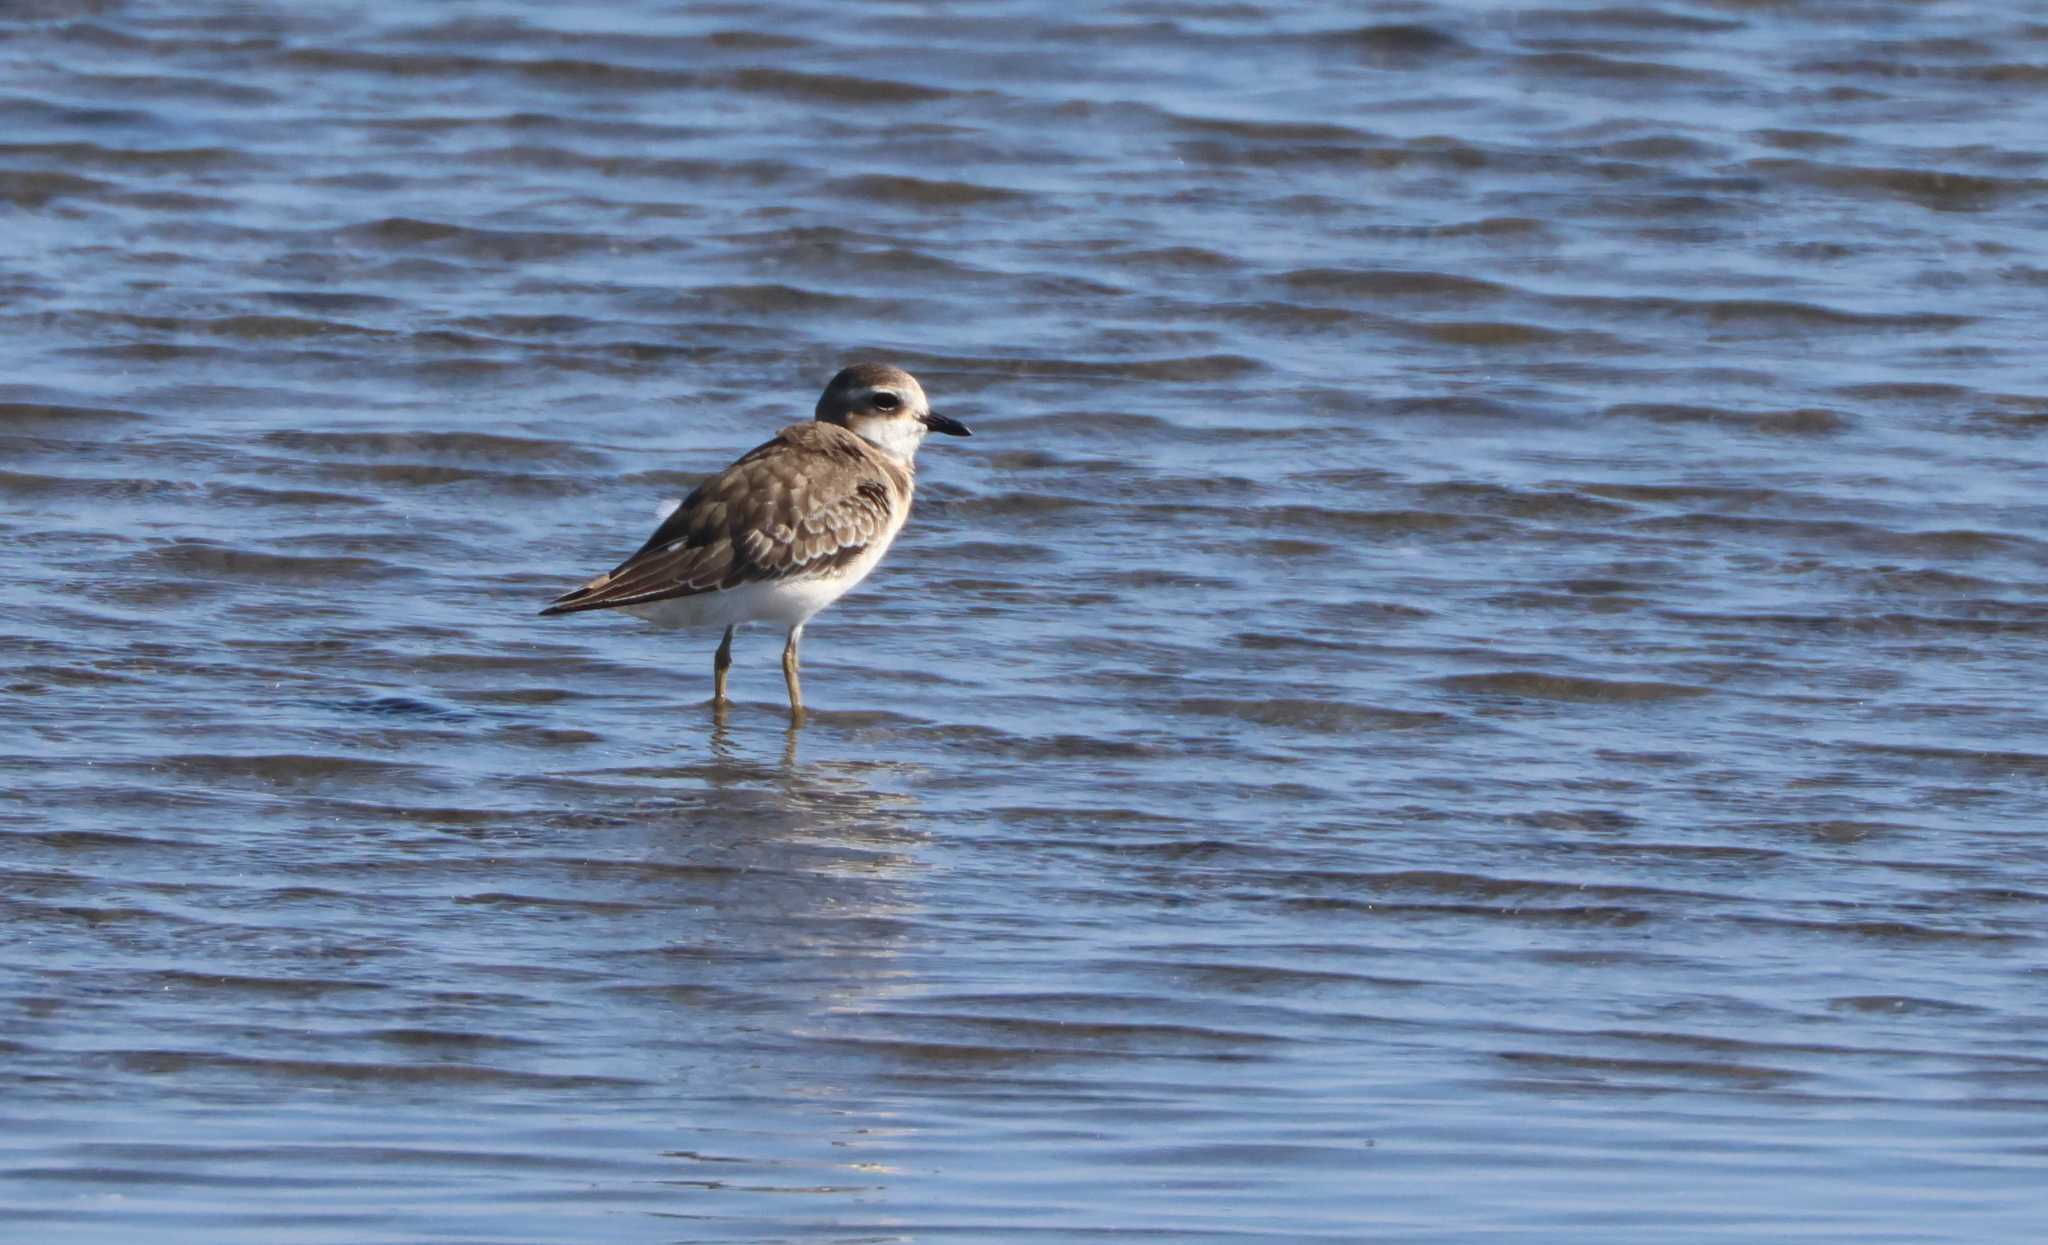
[886,401]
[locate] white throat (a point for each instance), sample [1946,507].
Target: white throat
[898,438]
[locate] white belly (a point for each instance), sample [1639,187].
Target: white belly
[788,602]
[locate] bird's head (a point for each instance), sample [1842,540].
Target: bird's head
[886,407]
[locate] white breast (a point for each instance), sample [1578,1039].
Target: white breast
[788,602]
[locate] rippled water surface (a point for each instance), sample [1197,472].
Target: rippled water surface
[1479,680]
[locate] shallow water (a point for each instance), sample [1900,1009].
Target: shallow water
[1477,681]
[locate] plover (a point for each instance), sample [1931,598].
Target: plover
[786,530]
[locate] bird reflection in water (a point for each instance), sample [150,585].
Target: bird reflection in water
[766,801]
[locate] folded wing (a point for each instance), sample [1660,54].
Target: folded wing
[808,502]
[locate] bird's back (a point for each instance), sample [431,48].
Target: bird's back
[815,502]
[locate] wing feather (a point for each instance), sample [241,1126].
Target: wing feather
[808,502]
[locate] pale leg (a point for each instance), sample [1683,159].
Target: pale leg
[796,695]
[719,665]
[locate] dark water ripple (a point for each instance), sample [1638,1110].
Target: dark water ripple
[1476,681]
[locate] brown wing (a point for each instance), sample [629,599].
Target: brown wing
[806,503]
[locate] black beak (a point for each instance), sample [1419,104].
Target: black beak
[942,423]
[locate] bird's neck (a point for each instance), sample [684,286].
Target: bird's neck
[897,440]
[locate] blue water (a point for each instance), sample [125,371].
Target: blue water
[1476,680]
